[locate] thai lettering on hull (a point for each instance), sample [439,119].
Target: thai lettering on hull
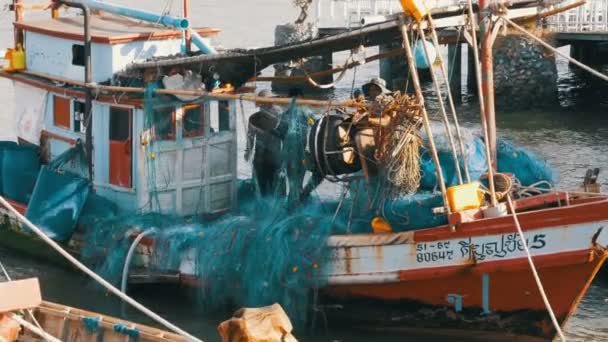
[495,247]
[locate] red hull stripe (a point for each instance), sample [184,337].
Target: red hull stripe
[574,214]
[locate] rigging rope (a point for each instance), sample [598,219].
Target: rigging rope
[416,81]
[444,72]
[534,272]
[444,115]
[34,329]
[94,275]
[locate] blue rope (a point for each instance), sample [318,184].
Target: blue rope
[91,324]
[133,333]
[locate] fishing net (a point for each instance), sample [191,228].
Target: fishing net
[524,164]
[60,194]
[271,248]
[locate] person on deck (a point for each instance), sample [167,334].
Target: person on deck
[264,141]
[375,93]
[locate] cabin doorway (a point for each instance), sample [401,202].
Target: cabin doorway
[121,160]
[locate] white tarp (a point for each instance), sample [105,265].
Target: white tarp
[30,109]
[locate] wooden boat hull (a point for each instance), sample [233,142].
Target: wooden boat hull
[71,324]
[474,278]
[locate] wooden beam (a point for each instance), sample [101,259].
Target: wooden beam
[19,295]
[196,93]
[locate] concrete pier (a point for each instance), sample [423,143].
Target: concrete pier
[454,67]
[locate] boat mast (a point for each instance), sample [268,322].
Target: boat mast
[187,32]
[18,8]
[487,74]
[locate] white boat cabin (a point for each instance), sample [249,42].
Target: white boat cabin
[187,156]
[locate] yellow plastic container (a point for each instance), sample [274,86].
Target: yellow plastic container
[15,58]
[18,58]
[416,8]
[8,57]
[465,196]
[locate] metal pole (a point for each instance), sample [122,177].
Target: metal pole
[425,118]
[487,74]
[480,93]
[188,35]
[17,7]
[88,80]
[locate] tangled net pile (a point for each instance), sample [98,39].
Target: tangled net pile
[400,144]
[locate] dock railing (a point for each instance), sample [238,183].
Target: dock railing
[590,17]
[350,13]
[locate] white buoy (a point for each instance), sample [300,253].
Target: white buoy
[420,57]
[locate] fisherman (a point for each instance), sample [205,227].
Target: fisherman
[377,95]
[375,87]
[262,136]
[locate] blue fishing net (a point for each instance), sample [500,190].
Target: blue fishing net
[272,247]
[524,164]
[527,167]
[59,196]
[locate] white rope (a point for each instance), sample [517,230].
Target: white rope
[94,275]
[125,269]
[34,328]
[543,43]
[536,277]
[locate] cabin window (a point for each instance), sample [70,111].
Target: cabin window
[193,119]
[120,125]
[224,115]
[61,112]
[120,145]
[78,108]
[163,123]
[78,54]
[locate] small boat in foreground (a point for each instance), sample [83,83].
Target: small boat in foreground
[40,320]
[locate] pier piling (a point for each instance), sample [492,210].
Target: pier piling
[455,70]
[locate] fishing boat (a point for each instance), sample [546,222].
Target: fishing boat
[29,318]
[154,126]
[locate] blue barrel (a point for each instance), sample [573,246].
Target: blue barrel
[20,167]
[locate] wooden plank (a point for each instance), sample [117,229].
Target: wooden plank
[19,294]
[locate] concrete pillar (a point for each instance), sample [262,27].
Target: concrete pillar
[455,70]
[576,52]
[393,69]
[471,78]
[327,62]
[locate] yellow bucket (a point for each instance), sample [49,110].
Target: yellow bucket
[415,8]
[465,196]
